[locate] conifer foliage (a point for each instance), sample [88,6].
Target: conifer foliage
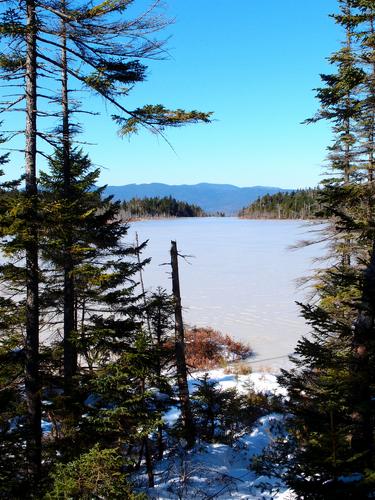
[79,361]
[330,452]
[300,204]
[160,207]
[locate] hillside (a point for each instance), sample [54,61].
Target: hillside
[211,198]
[300,204]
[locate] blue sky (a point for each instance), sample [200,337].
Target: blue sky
[254,64]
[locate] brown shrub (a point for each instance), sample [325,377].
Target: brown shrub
[207,348]
[237,349]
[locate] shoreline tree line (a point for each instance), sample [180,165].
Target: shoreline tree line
[298,204]
[166,206]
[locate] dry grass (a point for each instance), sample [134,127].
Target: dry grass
[264,368]
[238,369]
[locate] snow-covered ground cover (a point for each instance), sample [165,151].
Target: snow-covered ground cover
[263,382]
[217,470]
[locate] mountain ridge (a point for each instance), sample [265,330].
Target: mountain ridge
[226,198]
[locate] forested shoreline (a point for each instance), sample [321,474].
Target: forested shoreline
[299,204]
[157,207]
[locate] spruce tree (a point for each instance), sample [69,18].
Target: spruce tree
[13,409]
[330,447]
[84,280]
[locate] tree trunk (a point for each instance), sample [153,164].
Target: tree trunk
[32,382]
[187,417]
[148,458]
[346,258]
[160,444]
[70,349]
[158,372]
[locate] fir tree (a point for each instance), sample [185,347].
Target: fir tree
[332,386]
[106,313]
[96,47]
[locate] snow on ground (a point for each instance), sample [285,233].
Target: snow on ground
[219,470]
[263,382]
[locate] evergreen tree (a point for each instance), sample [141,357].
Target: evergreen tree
[96,474]
[98,50]
[95,46]
[331,388]
[106,313]
[13,432]
[160,207]
[300,204]
[159,313]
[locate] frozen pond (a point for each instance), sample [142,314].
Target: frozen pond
[241,278]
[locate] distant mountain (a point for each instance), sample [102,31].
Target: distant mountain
[211,197]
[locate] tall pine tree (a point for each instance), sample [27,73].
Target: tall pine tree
[329,453]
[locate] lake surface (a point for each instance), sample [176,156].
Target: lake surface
[240,278]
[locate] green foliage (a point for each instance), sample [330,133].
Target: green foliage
[329,452]
[160,207]
[127,391]
[156,118]
[85,289]
[88,225]
[300,204]
[13,480]
[12,404]
[222,415]
[98,473]
[114,71]
[11,26]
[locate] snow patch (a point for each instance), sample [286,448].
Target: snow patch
[218,470]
